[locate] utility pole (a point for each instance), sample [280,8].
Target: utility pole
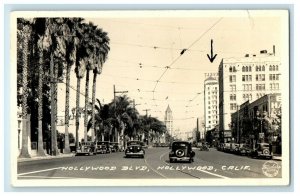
[115,106]
[197,130]
[146,111]
[238,124]
[135,104]
[147,125]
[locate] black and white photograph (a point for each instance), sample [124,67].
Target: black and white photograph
[142,98]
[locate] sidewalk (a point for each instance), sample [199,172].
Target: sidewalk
[34,158]
[277,157]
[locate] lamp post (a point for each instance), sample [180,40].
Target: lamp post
[260,118]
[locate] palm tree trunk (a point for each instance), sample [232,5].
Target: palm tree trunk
[86,103]
[24,151]
[77,110]
[93,104]
[67,141]
[53,107]
[40,151]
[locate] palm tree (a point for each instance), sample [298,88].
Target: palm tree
[24,28]
[39,27]
[102,49]
[81,59]
[56,30]
[89,42]
[71,45]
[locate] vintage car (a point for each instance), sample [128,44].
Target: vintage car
[261,150]
[243,149]
[220,147]
[181,151]
[103,147]
[86,148]
[203,146]
[134,149]
[234,147]
[114,146]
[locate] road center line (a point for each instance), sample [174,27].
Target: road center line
[39,171]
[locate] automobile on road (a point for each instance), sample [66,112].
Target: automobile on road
[243,149]
[262,150]
[135,149]
[181,151]
[86,148]
[103,147]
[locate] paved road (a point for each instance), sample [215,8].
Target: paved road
[207,164]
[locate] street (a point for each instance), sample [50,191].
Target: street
[155,165]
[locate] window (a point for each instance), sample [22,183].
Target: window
[277,76]
[246,68]
[232,106]
[233,87]
[263,77]
[232,97]
[243,78]
[263,68]
[256,77]
[232,78]
[249,68]
[230,69]
[243,69]
[250,87]
[276,67]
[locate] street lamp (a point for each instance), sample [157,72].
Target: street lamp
[260,118]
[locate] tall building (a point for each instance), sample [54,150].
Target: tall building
[169,120]
[246,78]
[211,101]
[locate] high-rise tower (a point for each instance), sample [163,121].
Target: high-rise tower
[169,120]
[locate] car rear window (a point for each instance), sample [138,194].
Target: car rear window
[180,145]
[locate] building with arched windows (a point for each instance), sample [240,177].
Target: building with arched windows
[246,79]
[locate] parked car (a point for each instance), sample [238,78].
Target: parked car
[262,150]
[203,147]
[181,151]
[227,147]
[234,147]
[114,146]
[86,148]
[243,149]
[103,147]
[220,147]
[134,149]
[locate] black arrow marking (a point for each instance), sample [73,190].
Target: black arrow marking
[212,56]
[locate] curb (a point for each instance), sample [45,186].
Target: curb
[43,158]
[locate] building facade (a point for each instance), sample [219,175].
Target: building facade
[259,121]
[247,78]
[169,120]
[211,102]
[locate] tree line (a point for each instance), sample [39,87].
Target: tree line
[47,48]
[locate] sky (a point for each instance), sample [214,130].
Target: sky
[144,44]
